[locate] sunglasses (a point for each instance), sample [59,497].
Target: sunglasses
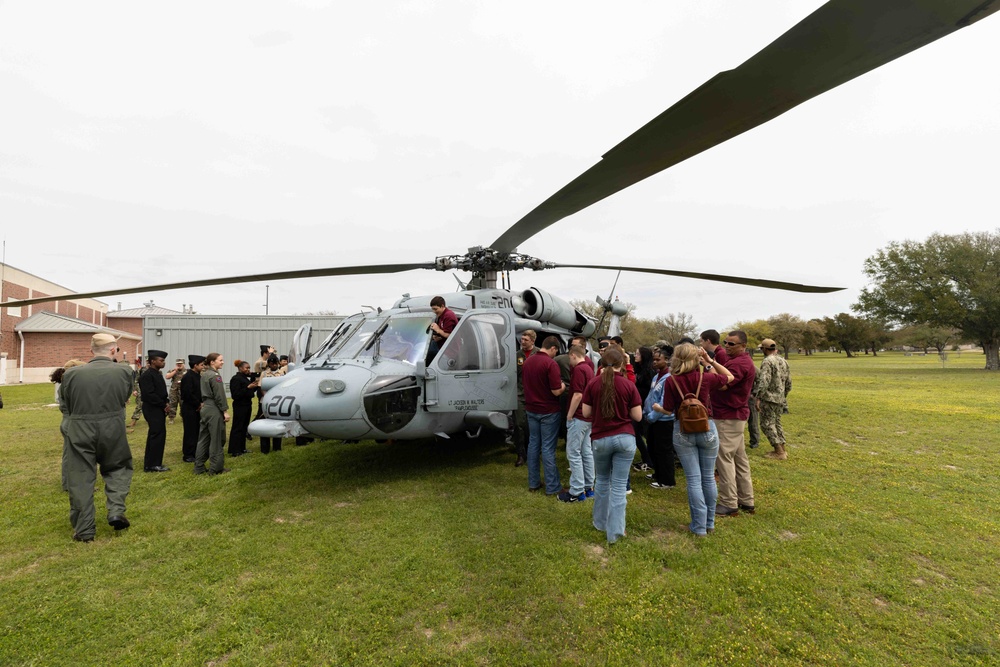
[729,343]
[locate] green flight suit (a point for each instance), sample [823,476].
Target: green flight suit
[212,434]
[93,399]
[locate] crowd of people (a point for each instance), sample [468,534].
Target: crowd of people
[93,396]
[617,404]
[607,406]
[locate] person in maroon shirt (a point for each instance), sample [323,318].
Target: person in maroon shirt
[613,402]
[710,343]
[542,387]
[697,451]
[518,431]
[441,327]
[730,403]
[579,452]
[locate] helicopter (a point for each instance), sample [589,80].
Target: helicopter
[372,378]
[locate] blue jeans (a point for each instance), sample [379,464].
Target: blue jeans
[612,457]
[697,452]
[543,432]
[580,454]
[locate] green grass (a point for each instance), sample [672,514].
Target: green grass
[876,543]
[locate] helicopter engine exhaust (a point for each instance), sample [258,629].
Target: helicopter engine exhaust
[539,305]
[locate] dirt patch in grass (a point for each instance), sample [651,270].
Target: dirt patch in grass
[597,553]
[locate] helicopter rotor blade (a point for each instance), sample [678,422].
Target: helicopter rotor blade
[231,280]
[737,280]
[841,40]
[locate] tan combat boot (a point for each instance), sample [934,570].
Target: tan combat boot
[778,454]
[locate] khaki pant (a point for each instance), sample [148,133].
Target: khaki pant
[735,485]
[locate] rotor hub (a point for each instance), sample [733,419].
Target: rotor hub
[481,260]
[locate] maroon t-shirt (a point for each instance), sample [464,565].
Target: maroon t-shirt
[580,377]
[447,320]
[733,402]
[540,377]
[688,382]
[626,398]
[721,355]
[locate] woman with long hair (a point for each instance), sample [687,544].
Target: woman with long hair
[643,364]
[613,402]
[242,389]
[697,451]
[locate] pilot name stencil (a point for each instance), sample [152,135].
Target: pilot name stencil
[466,403]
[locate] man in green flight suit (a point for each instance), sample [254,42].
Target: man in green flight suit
[93,398]
[214,415]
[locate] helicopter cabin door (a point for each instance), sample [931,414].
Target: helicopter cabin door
[476,369]
[299,353]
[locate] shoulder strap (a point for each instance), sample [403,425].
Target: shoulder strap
[697,392]
[677,387]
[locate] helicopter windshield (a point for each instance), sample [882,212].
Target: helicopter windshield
[399,338]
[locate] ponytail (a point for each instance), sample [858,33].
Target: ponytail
[606,402]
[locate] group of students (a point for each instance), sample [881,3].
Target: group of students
[626,406]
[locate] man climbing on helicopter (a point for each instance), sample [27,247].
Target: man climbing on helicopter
[441,327]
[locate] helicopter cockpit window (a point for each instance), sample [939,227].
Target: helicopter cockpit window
[403,339]
[475,345]
[334,340]
[358,339]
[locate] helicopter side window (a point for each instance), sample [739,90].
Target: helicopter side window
[475,345]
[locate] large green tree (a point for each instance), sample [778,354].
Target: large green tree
[787,331]
[847,332]
[946,281]
[813,335]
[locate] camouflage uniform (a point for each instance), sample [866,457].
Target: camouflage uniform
[175,393]
[771,386]
[138,395]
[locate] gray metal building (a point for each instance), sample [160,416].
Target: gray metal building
[234,336]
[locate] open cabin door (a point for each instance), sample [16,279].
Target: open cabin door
[476,370]
[299,352]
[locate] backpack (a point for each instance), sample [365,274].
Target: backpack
[692,415]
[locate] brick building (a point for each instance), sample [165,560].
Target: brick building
[17,284]
[48,340]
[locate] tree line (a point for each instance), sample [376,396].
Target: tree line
[931,295]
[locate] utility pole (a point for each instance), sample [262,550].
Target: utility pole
[267,299]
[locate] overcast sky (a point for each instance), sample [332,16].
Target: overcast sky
[153,142]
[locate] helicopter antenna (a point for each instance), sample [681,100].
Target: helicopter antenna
[606,304]
[461,285]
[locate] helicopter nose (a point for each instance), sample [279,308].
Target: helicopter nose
[326,403]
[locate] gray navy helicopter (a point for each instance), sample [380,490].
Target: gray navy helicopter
[371,378]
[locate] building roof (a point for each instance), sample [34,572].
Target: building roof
[46,322]
[143,312]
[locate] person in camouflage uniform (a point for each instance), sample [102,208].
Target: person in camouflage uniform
[138,395]
[770,388]
[175,375]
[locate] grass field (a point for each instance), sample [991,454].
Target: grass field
[876,543]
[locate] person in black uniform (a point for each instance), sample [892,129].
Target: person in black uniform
[242,388]
[191,405]
[153,388]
